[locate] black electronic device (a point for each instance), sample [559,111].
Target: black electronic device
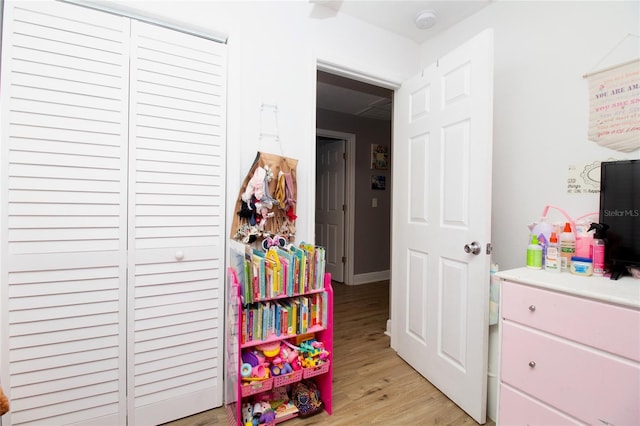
[620,210]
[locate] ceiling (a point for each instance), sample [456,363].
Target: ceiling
[398,16]
[351,97]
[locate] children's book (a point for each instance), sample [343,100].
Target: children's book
[285,410]
[310,276]
[287,262]
[273,260]
[325,305]
[260,268]
[295,305]
[301,269]
[289,323]
[304,314]
[320,267]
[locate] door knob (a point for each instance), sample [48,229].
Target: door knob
[473,248]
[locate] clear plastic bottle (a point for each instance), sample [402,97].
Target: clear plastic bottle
[534,254]
[598,247]
[567,246]
[552,258]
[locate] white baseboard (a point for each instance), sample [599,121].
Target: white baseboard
[371,277]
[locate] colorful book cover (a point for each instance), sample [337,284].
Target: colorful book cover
[324,308]
[278,317]
[285,320]
[304,314]
[257,332]
[289,314]
[295,309]
[287,258]
[250,325]
[276,267]
[259,261]
[320,267]
[301,271]
[285,410]
[310,275]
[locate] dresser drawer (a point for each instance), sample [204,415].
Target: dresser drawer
[608,327]
[518,409]
[589,385]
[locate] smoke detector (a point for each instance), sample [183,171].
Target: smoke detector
[426,19]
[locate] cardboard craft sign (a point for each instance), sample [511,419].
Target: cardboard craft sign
[266,204]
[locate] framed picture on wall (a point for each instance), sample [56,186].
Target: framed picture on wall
[378,182]
[379,157]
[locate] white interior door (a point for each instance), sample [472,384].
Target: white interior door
[176,224]
[442,203]
[330,202]
[64,199]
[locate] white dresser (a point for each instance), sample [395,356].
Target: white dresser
[569,349]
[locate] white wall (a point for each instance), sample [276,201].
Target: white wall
[273,51]
[542,50]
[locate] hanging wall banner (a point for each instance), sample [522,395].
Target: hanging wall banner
[614,106]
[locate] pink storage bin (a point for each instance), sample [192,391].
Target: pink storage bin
[286,379]
[253,387]
[316,371]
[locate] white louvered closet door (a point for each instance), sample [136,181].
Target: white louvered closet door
[64,203]
[177,159]
[111,262]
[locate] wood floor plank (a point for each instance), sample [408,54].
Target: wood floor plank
[372,385]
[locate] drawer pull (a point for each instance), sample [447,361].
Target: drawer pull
[532,308]
[532,364]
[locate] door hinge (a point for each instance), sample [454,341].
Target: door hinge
[344,259]
[344,155]
[344,207]
[489,248]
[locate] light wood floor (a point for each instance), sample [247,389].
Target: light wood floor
[371,384]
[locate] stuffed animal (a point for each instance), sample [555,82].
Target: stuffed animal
[291,356]
[4,403]
[268,415]
[247,413]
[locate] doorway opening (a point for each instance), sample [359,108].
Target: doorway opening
[360,115]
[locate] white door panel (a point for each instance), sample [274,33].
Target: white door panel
[63,203]
[441,203]
[330,202]
[175,225]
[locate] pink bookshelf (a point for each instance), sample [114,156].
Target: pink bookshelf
[237,391]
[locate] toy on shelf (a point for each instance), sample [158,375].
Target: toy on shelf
[258,413]
[270,360]
[254,366]
[313,353]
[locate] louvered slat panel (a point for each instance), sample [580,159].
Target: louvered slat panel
[178,151]
[64,87]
